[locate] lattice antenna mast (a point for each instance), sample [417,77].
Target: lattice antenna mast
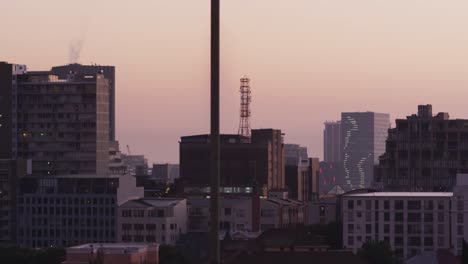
[246,98]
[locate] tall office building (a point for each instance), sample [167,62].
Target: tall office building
[332,142]
[107,71]
[245,162]
[62,125]
[363,138]
[424,153]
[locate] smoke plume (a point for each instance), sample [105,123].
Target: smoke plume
[75,49]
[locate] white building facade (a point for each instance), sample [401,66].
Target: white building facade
[410,222]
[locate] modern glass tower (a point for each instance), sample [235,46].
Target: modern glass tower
[363,141]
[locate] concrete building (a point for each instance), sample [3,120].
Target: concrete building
[107,71]
[152,220]
[11,171]
[363,140]
[246,163]
[60,124]
[424,153]
[115,253]
[165,173]
[71,210]
[332,145]
[459,214]
[410,222]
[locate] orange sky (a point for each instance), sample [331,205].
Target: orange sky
[308,60]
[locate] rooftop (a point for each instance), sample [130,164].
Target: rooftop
[152,202]
[401,194]
[112,247]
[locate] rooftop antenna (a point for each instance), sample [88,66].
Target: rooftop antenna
[245,99]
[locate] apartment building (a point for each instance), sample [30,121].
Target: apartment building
[410,222]
[152,220]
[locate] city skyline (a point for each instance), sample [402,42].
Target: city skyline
[317,55]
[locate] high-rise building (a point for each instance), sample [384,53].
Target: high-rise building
[245,162]
[424,153]
[107,71]
[332,146]
[363,140]
[62,125]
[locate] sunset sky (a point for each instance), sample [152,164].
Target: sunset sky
[309,60]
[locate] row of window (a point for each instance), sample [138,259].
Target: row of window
[66,211]
[141,213]
[399,204]
[399,241]
[127,227]
[399,229]
[65,201]
[397,217]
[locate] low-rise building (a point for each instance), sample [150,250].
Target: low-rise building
[323,211]
[117,253]
[71,210]
[410,222]
[152,220]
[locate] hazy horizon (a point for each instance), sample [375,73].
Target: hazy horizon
[308,61]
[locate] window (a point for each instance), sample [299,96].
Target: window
[358,202]
[386,205]
[414,229]
[386,228]
[460,218]
[160,213]
[460,205]
[350,240]
[428,217]
[414,205]
[350,228]
[460,230]
[150,226]
[399,229]
[350,204]
[358,214]
[399,205]
[414,217]
[139,213]
[127,213]
[368,228]
[398,217]
[126,226]
[377,205]
[386,217]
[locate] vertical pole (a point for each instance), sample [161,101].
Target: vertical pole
[215,138]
